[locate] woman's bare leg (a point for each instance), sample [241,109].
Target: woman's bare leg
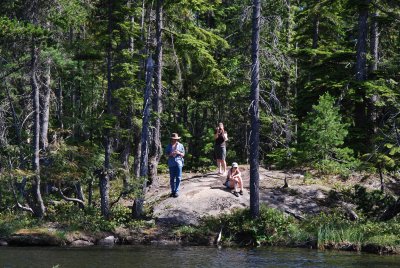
[219,165]
[240,182]
[223,164]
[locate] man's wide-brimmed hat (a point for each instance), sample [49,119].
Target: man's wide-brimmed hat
[175,136]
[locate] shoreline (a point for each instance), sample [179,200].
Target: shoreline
[77,239]
[309,213]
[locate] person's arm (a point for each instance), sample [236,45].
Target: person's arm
[181,150]
[168,150]
[216,134]
[225,136]
[237,173]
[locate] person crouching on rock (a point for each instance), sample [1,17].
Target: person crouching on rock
[175,152]
[234,179]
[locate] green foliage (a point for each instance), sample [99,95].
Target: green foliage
[73,162]
[69,13]
[11,28]
[274,228]
[185,230]
[323,130]
[283,158]
[333,229]
[206,79]
[121,215]
[162,168]
[271,228]
[323,134]
[72,218]
[11,222]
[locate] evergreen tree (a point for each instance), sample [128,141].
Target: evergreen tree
[323,134]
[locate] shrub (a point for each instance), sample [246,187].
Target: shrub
[11,222]
[271,228]
[121,215]
[73,218]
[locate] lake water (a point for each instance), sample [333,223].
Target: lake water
[167,256]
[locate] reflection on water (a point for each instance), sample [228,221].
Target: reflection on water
[153,256]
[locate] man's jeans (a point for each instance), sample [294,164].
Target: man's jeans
[175,176]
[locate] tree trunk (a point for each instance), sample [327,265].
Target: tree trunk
[374,42]
[79,194]
[59,98]
[374,51]
[16,122]
[138,152]
[254,111]
[287,81]
[382,179]
[90,193]
[137,209]
[124,157]
[104,177]
[315,32]
[39,207]
[155,151]
[45,104]
[132,4]
[104,185]
[361,65]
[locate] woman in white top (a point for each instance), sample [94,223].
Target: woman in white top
[234,179]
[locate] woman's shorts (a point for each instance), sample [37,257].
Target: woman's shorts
[220,152]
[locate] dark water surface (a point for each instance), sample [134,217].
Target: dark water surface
[166,256]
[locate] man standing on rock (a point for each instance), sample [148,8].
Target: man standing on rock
[175,152]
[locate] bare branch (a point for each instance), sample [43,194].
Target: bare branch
[17,202]
[69,199]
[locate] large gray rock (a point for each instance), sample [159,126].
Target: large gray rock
[3,243]
[81,243]
[108,241]
[198,197]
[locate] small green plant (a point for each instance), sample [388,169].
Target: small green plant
[162,168]
[121,215]
[185,230]
[271,228]
[283,158]
[139,224]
